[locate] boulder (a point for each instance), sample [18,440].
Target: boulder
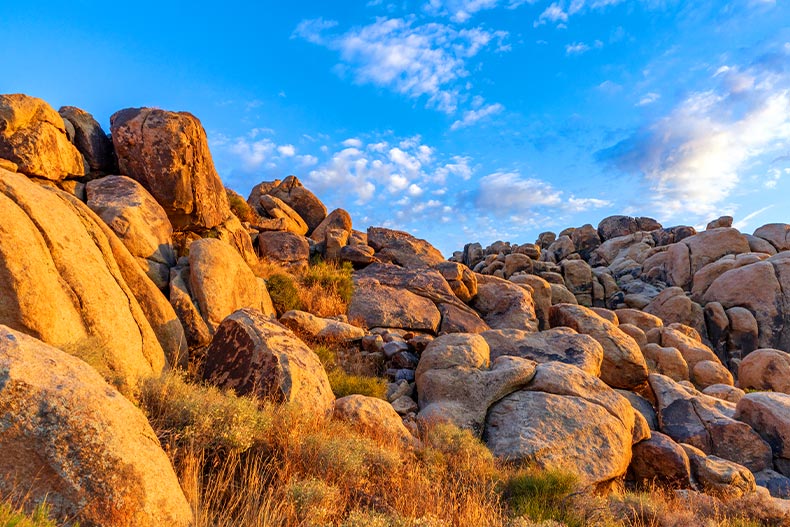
[623,364]
[305,323]
[253,354]
[379,305]
[457,382]
[759,245]
[704,366]
[558,344]
[403,249]
[221,282]
[777,234]
[585,239]
[769,414]
[666,361]
[232,232]
[616,226]
[33,136]
[707,275]
[373,417]
[337,219]
[305,203]
[743,331]
[359,256]
[717,476]
[759,288]
[72,441]
[695,252]
[579,280]
[725,392]
[504,305]
[541,296]
[284,248]
[777,484]
[167,152]
[673,306]
[660,460]
[561,295]
[689,417]
[765,369]
[457,320]
[576,432]
[138,220]
[64,279]
[721,221]
[195,328]
[90,140]
[460,278]
[276,209]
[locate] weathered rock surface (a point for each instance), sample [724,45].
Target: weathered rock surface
[402,249]
[717,476]
[765,369]
[769,414]
[573,430]
[689,418]
[138,220]
[70,439]
[457,382]
[505,305]
[33,136]
[221,282]
[254,354]
[62,282]
[660,460]
[90,140]
[558,344]
[777,234]
[295,195]
[285,248]
[379,305]
[276,209]
[623,363]
[167,152]
[322,328]
[373,416]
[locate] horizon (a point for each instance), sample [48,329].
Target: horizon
[455,120]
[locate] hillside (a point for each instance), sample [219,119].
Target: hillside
[172,353]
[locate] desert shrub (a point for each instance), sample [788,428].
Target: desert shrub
[348,384]
[11,516]
[188,414]
[459,452]
[313,500]
[542,495]
[331,277]
[284,293]
[327,355]
[240,208]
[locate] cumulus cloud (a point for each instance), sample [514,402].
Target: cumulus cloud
[692,158]
[427,61]
[510,192]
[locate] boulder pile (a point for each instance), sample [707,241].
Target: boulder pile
[620,353]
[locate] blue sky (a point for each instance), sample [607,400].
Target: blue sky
[456,120]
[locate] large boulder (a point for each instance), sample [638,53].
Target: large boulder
[378,305]
[672,306]
[769,415]
[761,288]
[90,140]
[304,323]
[719,477]
[138,220]
[167,152]
[690,417]
[221,282]
[505,305]
[457,382]
[72,441]
[564,419]
[765,369]
[284,248]
[286,218]
[337,219]
[623,364]
[695,252]
[660,460]
[64,280]
[401,248]
[256,355]
[777,234]
[295,195]
[554,345]
[33,136]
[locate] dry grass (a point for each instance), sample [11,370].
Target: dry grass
[322,288]
[240,208]
[11,516]
[248,463]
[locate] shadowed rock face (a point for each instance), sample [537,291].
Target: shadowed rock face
[69,438]
[253,354]
[167,152]
[90,140]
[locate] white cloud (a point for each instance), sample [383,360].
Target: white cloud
[559,12]
[554,13]
[421,61]
[648,98]
[459,167]
[458,10]
[287,150]
[470,117]
[584,204]
[744,222]
[252,154]
[510,192]
[577,48]
[692,158]
[353,142]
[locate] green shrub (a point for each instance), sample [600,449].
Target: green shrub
[327,356]
[240,207]
[284,293]
[542,495]
[330,277]
[346,384]
[13,517]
